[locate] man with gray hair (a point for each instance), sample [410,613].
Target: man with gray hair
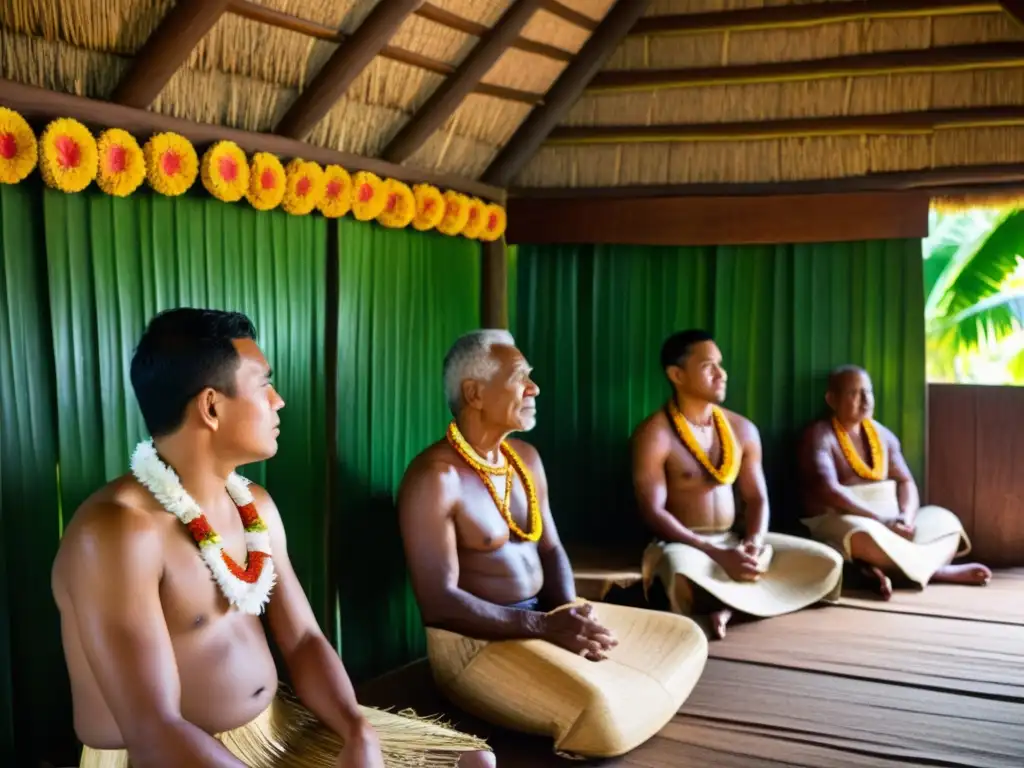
[496,589]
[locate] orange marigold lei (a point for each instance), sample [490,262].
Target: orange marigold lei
[877,470]
[726,472]
[513,466]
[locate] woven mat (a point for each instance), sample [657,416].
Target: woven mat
[1001,601]
[923,651]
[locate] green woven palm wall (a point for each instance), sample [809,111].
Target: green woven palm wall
[592,319]
[403,297]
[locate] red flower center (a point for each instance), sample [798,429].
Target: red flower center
[473,214]
[302,188]
[69,154]
[453,209]
[333,189]
[365,193]
[228,168]
[117,159]
[8,146]
[492,222]
[392,201]
[170,162]
[267,180]
[428,205]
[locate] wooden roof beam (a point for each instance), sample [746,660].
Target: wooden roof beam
[564,93]
[444,101]
[166,50]
[344,66]
[459,24]
[905,123]
[1015,8]
[777,17]
[564,12]
[948,58]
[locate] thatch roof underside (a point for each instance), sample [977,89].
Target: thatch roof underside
[246,74]
[719,155]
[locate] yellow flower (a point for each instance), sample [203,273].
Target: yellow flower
[429,207]
[266,182]
[495,222]
[122,166]
[368,198]
[17,147]
[475,224]
[171,164]
[304,186]
[400,205]
[67,155]
[225,171]
[337,198]
[456,213]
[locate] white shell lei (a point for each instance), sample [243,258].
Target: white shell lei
[163,483]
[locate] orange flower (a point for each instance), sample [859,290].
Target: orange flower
[429,207]
[456,213]
[225,171]
[495,222]
[122,165]
[337,198]
[68,156]
[304,186]
[400,205]
[266,182]
[368,197]
[171,164]
[476,222]
[17,147]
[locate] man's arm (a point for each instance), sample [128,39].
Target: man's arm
[819,472]
[426,506]
[651,447]
[906,488]
[559,584]
[114,565]
[317,673]
[752,485]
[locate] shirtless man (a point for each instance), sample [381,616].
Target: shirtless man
[867,510]
[686,458]
[487,565]
[160,655]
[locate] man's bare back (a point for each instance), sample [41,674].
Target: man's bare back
[125,561]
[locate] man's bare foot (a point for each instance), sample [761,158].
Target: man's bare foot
[881,583]
[975,574]
[719,620]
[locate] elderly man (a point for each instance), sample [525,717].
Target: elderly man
[507,637]
[163,573]
[862,499]
[687,457]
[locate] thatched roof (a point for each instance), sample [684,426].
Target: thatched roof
[686,125]
[246,74]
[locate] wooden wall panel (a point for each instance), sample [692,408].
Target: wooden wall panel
[975,454]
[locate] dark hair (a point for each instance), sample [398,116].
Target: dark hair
[182,352]
[837,374]
[676,347]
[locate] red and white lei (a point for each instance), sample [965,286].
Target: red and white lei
[248,589]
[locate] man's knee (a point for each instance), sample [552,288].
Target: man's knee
[864,548]
[482,759]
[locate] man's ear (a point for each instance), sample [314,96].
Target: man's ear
[676,375]
[830,399]
[472,393]
[206,405]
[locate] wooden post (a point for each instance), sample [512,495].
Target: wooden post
[494,285]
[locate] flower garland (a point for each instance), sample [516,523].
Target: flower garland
[879,461]
[70,158]
[248,589]
[67,155]
[729,469]
[122,165]
[171,164]
[17,147]
[513,464]
[225,171]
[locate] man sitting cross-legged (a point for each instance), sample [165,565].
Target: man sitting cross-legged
[170,668]
[863,500]
[507,638]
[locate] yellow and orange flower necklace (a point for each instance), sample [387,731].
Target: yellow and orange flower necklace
[729,468]
[513,466]
[877,470]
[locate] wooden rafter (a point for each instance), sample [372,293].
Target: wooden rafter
[40,105]
[261,13]
[564,93]
[775,17]
[905,123]
[344,66]
[948,58]
[443,101]
[166,50]
[454,21]
[564,12]
[1015,8]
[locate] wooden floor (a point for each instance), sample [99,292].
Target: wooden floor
[931,679]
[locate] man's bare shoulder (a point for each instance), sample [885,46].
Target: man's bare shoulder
[745,429]
[887,434]
[654,428]
[528,453]
[433,475]
[819,434]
